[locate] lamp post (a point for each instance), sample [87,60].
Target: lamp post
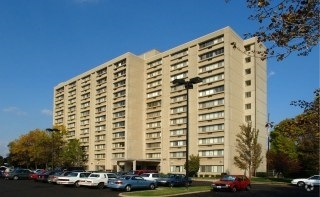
[52,145]
[188,85]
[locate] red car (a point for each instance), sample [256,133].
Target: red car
[34,176]
[232,183]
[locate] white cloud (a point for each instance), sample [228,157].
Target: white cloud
[271,73]
[15,110]
[46,112]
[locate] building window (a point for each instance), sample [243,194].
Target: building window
[154,84]
[248,118]
[248,83]
[154,104]
[178,143]
[178,98]
[178,121]
[248,94]
[211,168]
[248,106]
[101,128]
[119,94]
[211,91]
[118,155]
[248,71]
[211,67]
[120,83]
[211,153]
[178,110]
[102,71]
[118,124]
[153,135]
[119,104]
[213,140]
[118,134]
[153,155]
[120,63]
[154,114]
[179,76]
[154,74]
[177,168]
[210,42]
[178,132]
[212,103]
[211,116]
[178,154]
[99,156]
[101,109]
[155,63]
[247,47]
[211,54]
[120,74]
[154,94]
[248,59]
[100,138]
[179,65]
[211,128]
[101,118]
[179,54]
[154,124]
[119,114]
[214,78]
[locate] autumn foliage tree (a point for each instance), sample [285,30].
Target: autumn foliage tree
[248,149]
[296,141]
[287,26]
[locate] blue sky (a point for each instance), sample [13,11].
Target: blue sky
[45,42]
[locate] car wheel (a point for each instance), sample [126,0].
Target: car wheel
[248,188]
[234,189]
[15,178]
[76,184]
[300,183]
[152,186]
[101,185]
[128,188]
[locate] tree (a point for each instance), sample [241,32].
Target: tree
[297,140]
[248,148]
[72,154]
[194,164]
[287,25]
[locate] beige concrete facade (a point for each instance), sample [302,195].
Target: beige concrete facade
[128,114]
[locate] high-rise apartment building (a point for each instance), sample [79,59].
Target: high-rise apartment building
[129,115]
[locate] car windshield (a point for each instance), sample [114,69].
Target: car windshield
[228,178]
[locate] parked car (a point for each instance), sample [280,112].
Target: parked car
[45,176]
[232,183]
[97,179]
[18,174]
[315,180]
[139,172]
[72,179]
[54,177]
[35,174]
[2,169]
[150,176]
[129,182]
[172,180]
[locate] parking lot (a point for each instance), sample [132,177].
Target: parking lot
[18,188]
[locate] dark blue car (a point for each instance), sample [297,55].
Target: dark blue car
[172,180]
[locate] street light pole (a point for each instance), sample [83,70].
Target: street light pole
[52,145]
[188,85]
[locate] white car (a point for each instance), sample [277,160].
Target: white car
[314,180]
[97,179]
[72,179]
[150,176]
